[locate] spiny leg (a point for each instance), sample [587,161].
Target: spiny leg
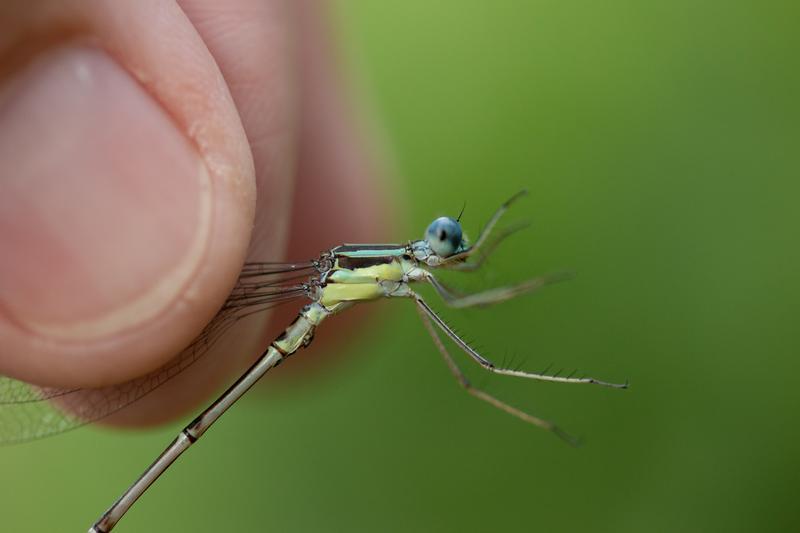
[496,295]
[488,365]
[487,250]
[478,393]
[487,230]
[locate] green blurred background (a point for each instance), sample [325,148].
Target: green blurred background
[659,141]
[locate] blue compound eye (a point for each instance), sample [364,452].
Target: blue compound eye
[444,236]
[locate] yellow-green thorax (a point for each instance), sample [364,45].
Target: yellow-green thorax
[362,274]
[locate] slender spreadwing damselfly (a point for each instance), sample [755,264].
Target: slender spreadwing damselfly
[339,278]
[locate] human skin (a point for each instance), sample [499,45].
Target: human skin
[148,149]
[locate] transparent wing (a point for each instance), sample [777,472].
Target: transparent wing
[29,412]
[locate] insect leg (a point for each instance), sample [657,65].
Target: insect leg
[487,230]
[485,251]
[493,296]
[488,365]
[478,393]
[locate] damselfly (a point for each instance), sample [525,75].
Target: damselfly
[339,278]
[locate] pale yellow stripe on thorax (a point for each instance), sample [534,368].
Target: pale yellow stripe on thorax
[334,293]
[385,272]
[360,284]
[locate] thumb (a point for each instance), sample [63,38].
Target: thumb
[121,231]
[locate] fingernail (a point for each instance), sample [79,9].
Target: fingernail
[104,204]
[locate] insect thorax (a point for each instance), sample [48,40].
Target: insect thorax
[365,272]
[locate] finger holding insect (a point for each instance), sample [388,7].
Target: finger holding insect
[237,126]
[127,195]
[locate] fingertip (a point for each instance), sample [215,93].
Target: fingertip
[123,222]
